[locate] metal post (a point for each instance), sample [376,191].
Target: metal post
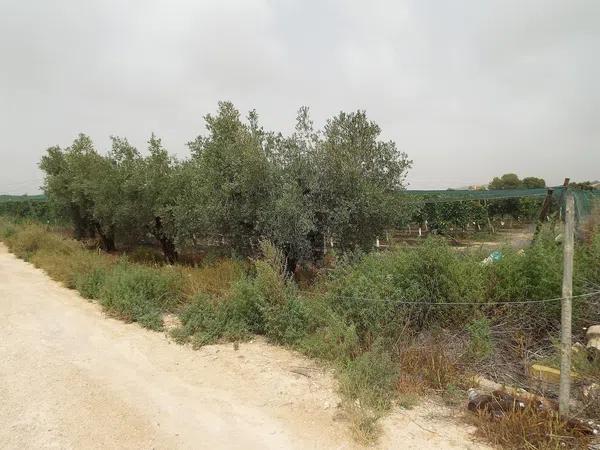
[565,314]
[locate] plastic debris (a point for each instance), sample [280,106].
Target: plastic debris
[495,256]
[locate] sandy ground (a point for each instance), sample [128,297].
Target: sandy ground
[72,378]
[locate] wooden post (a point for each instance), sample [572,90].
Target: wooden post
[491,226]
[544,212]
[565,312]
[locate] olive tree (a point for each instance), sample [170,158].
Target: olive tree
[229,181]
[359,176]
[67,183]
[340,183]
[116,194]
[158,180]
[290,219]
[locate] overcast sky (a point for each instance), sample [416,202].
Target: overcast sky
[469,89]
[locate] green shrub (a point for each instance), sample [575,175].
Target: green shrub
[289,322]
[207,320]
[139,294]
[90,283]
[387,294]
[533,274]
[203,321]
[371,378]
[587,264]
[334,340]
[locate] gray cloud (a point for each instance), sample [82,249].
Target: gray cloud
[468,89]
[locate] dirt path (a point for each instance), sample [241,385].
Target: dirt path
[71,378]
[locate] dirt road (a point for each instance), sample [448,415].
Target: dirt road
[72,378]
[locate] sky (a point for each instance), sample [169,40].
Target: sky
[468,89]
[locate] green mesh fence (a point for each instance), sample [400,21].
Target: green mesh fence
[459,195]
[586,201]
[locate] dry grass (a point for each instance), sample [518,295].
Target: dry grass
[62,258]
[430,365]
[364,423]
[214,279]
[530,429]
[66,268]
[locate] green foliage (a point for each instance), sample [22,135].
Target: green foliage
[443,216]
[290,322]
[68,183]
[587,264]
[358,179]
[90,283]
[25,241]
[264,304]
[231,180]
[242,184]
[207,320]
[139,294]
[530,275]
[24,207]
[506,181]
[359,317]
[518,208]
[332,339]
[384,294]
[370,378]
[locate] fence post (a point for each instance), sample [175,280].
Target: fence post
[565,311]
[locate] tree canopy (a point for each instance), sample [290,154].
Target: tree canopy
[240,184]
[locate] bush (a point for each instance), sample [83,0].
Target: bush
[533,274]
[207,320]
[265,304]
[370,378]
[587,264]
[290,322]
[139,294]
[385,295]
[333,340]
[201,320]
[90,283]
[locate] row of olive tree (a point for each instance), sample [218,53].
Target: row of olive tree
[240,184]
